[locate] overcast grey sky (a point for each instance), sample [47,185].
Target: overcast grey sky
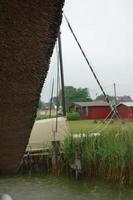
[105,31]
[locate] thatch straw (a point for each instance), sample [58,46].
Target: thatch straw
[28,31]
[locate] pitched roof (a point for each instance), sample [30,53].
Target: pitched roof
[124,99]
[128,104]
[90,104]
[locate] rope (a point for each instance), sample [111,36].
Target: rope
[107,123]
[94,74]
[103,122]
[68,23]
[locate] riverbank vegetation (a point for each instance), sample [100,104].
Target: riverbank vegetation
[105,150]
[108,155]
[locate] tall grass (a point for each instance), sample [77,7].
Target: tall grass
[108,155]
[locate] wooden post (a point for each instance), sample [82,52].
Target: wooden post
[55,155]
[78,167]
[62,74]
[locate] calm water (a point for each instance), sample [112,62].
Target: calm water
[53,188]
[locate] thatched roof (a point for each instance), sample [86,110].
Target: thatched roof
[28,31]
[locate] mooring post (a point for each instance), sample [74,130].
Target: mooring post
[78,167]
[55,155]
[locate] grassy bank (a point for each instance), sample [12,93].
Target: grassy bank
[109,155]
[106,151]
[96,126]
[41,117]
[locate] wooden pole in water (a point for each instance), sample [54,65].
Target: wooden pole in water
[50,106]
[58,80]
[62,74]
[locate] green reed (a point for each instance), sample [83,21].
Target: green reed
[108,155]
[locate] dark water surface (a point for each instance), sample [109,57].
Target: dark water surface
[62,188]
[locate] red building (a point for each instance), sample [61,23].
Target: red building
[93,110]
[125,110]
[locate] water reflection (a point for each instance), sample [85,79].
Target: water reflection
[62,188]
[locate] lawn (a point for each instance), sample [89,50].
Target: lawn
[96,126]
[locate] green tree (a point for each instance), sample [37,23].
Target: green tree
[41,105]
[73,94]
[101,97]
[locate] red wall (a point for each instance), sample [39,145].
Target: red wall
[130,113]
[125,112]
[99,112]
[95,112]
